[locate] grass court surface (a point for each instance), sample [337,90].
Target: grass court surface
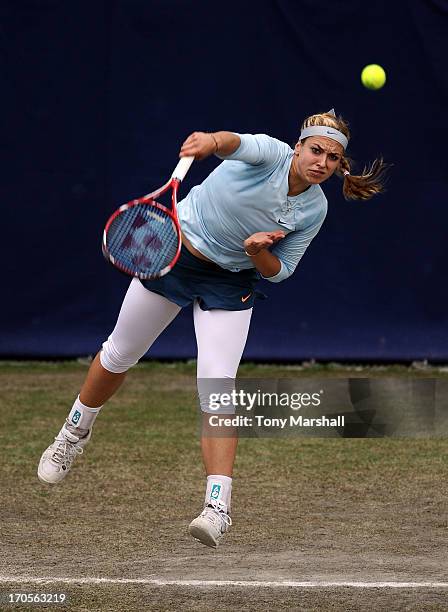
[316,510]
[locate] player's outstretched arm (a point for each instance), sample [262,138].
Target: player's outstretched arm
[203,144]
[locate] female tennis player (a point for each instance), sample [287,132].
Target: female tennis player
[253,217]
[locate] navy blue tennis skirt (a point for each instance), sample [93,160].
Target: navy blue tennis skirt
[214,287]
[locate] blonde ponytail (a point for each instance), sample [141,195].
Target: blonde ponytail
[366,185]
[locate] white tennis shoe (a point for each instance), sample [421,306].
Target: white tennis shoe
[211,524]
[57,460]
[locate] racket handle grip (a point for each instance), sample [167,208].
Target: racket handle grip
[182,168]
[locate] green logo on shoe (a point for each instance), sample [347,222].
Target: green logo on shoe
[216,490]
[76,416]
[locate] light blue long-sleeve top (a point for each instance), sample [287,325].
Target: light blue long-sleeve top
[248,193]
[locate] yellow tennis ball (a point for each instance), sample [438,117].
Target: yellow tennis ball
[373,76]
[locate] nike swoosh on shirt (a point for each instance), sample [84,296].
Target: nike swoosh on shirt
[244,299]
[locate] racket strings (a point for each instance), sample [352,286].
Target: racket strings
[142,240]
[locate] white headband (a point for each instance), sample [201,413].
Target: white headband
[323,130]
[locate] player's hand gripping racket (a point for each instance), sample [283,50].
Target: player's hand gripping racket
[142,238]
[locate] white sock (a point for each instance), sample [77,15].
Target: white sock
[81,418]
[219,488]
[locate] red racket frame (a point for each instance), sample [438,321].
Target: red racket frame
[149,200]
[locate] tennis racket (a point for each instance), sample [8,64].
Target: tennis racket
[143,238]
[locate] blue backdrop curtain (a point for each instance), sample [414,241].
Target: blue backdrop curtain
[96,99]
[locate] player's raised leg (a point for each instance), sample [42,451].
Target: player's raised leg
[221,337]
[143,316]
